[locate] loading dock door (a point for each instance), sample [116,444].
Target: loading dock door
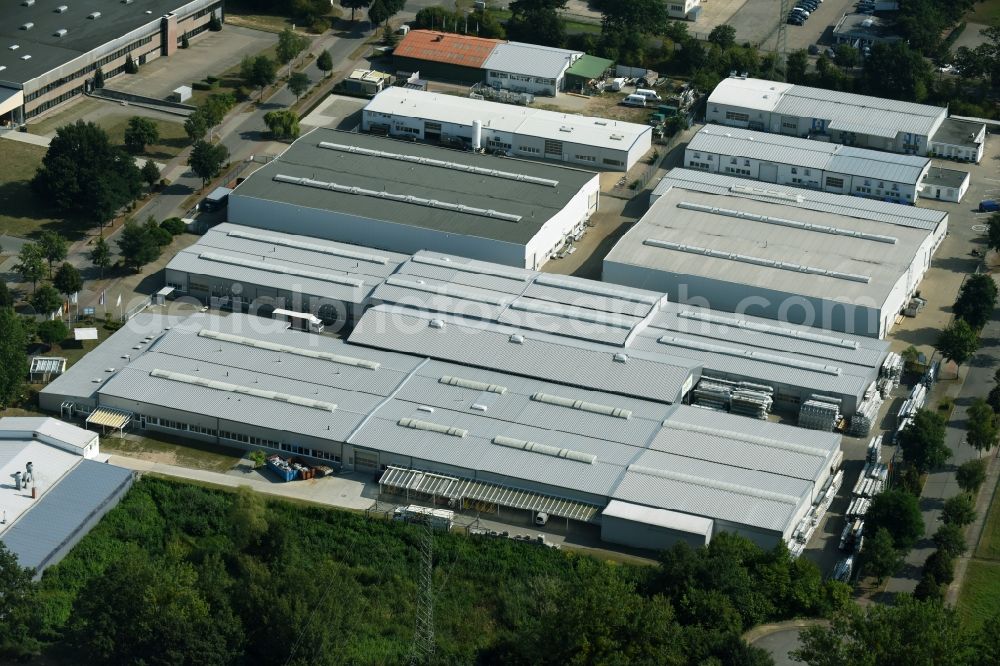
[366,461]
[769,173]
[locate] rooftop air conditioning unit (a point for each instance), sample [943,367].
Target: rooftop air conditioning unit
[26,57]
[27,3]
[94,15]
[61,9]
[14,47]
[61,32]
[28,26]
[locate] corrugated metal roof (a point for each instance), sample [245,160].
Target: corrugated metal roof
[530,59]
[61,512]
[670,520]
[446,47]
[795,151]
[812,200]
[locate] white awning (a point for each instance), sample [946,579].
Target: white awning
[84,333]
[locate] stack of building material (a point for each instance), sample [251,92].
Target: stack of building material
[804,530]
[872,480]
[858,508]
[742,398]
[864,419]
[892,369]
[818,415]
[875,450]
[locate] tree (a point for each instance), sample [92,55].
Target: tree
[174,226]
[958,342]
[19,609]
[206,160]
[53,246]
[299,83]
[896,71]
[83,175]
[958,510]
[324,62]
[195,126]
[215,108]
[150,173]
[13,370]
[214,24]
[880,557]
[897,512]
[796,65]
[68,280]
[909,631]
[46,300]
[928,589]
[647,16]
[380,11]
[158,234]
[184,41]
[52,331]
[389,36]
[130,66]
[247,517]
[355,5]
[136,245]
[922,441]
[970,475]
[846,56]
[949,538]
[100,255]
[290,45]
[283,124]
[993,232]
[140,133]
[6,298]
[981,427]
[536,22]
[30,263]
[976,300]
[261,73]
[940,566]
[723,36]
[98,78]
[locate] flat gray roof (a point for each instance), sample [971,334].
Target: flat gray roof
[946,177]
[506,199]
[83,34]
[247,370]
[808,153]
[958,133]
[769,245]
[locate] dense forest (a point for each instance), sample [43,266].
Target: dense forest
[182,574]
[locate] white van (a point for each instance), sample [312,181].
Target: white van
[634,100]
[649,95]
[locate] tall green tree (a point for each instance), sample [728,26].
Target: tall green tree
[993,232]
[923,441]
[31,263]
[13,370]
[196,125]
[98,78]
[46,300]
[290,45]
[880,557]
[137,246]
[981,426]
[100,254]
[537,22]
[958,510]
[958,342]
[950,538]
[723,36]
[150,173]
[355,5]
[140,133]
[206,160]
[283,124]
[83,175]
[262,73]
[52,331]
[796,65]
[897,71]
[299,83]
[68,280]
[324,62]
[897,512]
[380,11]
[6,298]
[19,617]
[971,475]
[645,16]
[54,248]
[976,300]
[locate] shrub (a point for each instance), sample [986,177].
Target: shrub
[174,225]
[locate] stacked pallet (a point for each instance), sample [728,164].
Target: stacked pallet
[807,526]
[712,394]
[892,369]
[858,507]
[743,398]
[867,415]
[875,450]
[818,415]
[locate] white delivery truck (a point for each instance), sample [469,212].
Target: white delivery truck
[634,100]
[649,95]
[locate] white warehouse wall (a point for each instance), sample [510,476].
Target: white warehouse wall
[567,221]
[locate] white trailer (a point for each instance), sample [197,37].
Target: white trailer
[439,519]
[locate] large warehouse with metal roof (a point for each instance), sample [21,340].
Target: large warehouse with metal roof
[838,262]
[403,197]
[521,443]
[600,143]
[817,165]
[847,118]
[51,51]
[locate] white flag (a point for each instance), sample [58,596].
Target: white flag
[74,298]
[118,303]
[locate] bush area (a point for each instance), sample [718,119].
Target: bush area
[179,573]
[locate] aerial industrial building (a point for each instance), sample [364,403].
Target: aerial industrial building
[51,51]
[841,263]
[404,197]
[56,489]
[667,472]
[818,165]
[600,143]
[846,118]
[514,66]
[580,332]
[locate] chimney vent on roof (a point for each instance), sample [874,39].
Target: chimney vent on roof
[94,15]
[27,3]
[14,47]
[28,26]
[26,57]
[61,32]
[61,9]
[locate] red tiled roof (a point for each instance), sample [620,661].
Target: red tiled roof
[446,47]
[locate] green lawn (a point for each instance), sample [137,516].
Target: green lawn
[984,12]
[980,595]
[989,542]
[172,141]
[163,448]
[21,214]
